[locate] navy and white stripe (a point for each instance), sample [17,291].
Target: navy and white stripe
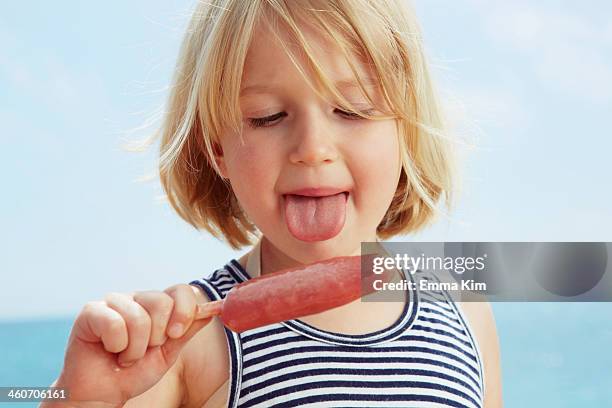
[428,358]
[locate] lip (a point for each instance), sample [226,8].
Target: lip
[317,191]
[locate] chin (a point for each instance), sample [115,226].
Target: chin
[313,251]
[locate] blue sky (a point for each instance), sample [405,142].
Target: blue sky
[528,83]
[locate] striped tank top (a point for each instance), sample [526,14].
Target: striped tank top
[427,358]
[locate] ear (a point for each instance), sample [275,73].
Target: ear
[220,159]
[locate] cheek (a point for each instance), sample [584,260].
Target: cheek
[244,160]
[252,171]
[377,158]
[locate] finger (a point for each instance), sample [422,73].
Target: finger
[99,323]
[172,347]
[138,325]
[200,296]
[208,309]
[183,312]
[159,306]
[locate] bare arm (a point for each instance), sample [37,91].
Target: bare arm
[200,367]
[482,322]
[168,392]
[199,375]
[129,349]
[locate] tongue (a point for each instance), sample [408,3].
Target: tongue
[315,218]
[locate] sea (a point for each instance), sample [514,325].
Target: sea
[552,354]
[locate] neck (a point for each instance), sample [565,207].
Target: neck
[273,259]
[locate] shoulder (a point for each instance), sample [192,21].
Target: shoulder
[205,359]
[482,324]
[218,283]
[205,364]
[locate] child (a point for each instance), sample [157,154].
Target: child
[305,127]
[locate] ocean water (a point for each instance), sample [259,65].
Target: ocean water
[553,354]
[32,353]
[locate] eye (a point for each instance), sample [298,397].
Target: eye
[265,121]
[268,120]
[354,116]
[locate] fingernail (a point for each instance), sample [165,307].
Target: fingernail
[199,310]
[126,363]
[176,330]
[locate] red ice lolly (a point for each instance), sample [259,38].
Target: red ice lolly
[292,293]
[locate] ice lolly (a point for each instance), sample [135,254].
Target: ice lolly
[292,293]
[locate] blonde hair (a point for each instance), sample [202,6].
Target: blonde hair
[203,104]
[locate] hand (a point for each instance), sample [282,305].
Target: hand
[122,346]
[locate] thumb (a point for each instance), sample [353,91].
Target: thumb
[172,347]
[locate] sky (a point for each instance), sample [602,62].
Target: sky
[528,85]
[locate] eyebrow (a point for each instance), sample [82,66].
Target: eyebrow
[343,84]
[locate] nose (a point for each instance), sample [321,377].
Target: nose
[314,144]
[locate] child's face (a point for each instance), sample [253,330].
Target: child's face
[309,142]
